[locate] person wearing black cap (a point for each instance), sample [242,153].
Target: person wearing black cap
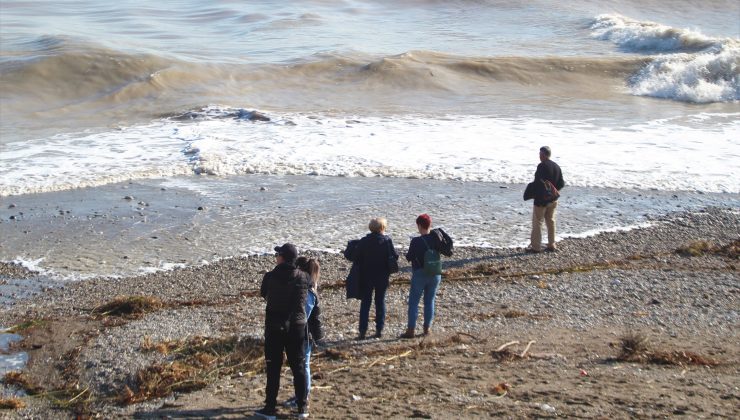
[286,289]
[544,209]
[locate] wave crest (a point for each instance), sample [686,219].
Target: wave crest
[645,36]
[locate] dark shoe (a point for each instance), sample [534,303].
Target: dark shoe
[532,251]
[302,412]
[409,333]
[266,413]
[378,334]
[362,335]
[551,249]
[426,330]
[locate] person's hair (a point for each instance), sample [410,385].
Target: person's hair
[377,224]
[424,220]
[545,150]
[310,266]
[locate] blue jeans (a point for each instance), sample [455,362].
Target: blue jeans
[422,283]
[310,303]
[367,299]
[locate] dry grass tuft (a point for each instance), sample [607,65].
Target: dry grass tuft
[634,348]
[128,307]
[731,250]
[20,380]
[333,354]
[25,326]
[633,345]
[696,249]
[11,403]
[197,362]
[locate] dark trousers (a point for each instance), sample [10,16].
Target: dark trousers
[293,341]
[367,299]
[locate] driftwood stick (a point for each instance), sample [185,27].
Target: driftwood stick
[469,335]
[510,343]
[524,353]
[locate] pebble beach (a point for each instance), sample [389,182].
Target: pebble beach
[572,303]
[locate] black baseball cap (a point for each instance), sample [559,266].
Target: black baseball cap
[288,251]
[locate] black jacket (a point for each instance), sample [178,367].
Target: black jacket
[550,171]
[371,256]
[285,288]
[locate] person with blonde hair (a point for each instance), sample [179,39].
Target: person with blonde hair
[373,255]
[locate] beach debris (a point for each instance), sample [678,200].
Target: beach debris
[263,188]
[26,325]
[128,197]
[12,403]
[634,348]
[583,373]
[702,247]
[356,397]
[128,307]
[22,381]
[194,363]
[503,353]
[501,389]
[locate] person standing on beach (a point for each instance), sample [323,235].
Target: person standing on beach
[313,320]
[423,282]
[544,209]
[372,255]
[286,290]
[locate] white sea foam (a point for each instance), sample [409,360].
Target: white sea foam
[645,36]
[692,67]
[713,76]
[660,154]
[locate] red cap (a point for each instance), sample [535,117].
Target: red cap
[424,220]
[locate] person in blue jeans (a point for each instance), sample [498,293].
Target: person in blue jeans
[312,267]
[421,283]
[372,254]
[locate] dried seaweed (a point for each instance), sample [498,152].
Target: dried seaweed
[128,307]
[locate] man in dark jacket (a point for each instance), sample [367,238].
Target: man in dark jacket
[544,208]
[285,288]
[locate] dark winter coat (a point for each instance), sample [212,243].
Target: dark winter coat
[285,288]
[371,255]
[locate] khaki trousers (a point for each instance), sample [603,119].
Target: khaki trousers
[548,214]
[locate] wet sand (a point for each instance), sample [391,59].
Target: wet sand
[133,228]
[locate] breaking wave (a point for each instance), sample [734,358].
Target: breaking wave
[689,66]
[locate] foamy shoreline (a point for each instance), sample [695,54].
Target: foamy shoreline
[130,228]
